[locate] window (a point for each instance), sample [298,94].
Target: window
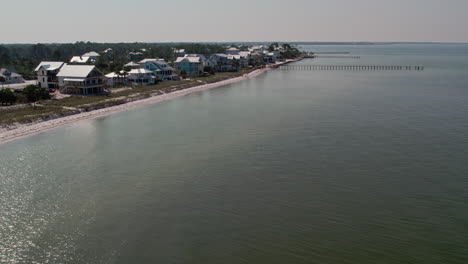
[43,79]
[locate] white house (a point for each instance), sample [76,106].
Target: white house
[87,58]
[112,79]
[81,79]
[47,74]
[141,77]
[10,76]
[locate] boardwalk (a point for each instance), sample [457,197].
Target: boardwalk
[351,68]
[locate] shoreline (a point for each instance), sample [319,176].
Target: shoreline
[25,130]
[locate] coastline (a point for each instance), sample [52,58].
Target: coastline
[25,130]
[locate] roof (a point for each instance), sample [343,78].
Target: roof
[151,60]
[49,65]
[131,64]
[233,49]
[140,71]
[244,54]
[76,71]
[189,59]
[79,59]
[7,73]
[91,54]
[111,75]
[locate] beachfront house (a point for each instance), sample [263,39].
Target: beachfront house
[10,76]
[141,77]
[224,62]
[159,67]
[47,74]
[81,79]
[245,58]
[191,66]
[114,79]
[271,57]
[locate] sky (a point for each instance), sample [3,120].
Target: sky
[64,21]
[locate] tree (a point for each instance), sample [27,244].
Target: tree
[2,80]
[34,94]
[7,96]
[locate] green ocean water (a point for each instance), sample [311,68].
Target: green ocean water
[290,167]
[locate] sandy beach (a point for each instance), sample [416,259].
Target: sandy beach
[24,130]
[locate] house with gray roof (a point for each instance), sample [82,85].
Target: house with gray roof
[81,79]
[11,76]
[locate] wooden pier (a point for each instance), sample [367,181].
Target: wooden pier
[350,68]
[336,57]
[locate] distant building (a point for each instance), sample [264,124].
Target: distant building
[47,74]
[87,58]
[233,51]
[11,76]
[179,53]
[192,66]
[81,79]
[132,65]
[271,57]
[159,67]
[223,62]
[108,51]
[135,55]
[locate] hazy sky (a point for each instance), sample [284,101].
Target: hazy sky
[31,21]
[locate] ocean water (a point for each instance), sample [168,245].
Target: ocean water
[290,167]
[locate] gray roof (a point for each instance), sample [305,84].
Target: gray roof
[91,54]
[49,65]
[75,70]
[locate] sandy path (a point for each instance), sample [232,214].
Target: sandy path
[25,130]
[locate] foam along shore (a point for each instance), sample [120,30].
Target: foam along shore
[25,130]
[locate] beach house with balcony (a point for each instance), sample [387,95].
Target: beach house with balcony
[159,67]
[47,74]
[191,66]
[141,77]
[81,79]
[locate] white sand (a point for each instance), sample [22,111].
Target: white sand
[25,130]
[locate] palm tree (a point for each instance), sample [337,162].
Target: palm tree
[124,74]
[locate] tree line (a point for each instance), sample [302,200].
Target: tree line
[23,58]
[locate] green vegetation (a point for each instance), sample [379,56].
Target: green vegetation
[25,57]
[7,96]
[34,93]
